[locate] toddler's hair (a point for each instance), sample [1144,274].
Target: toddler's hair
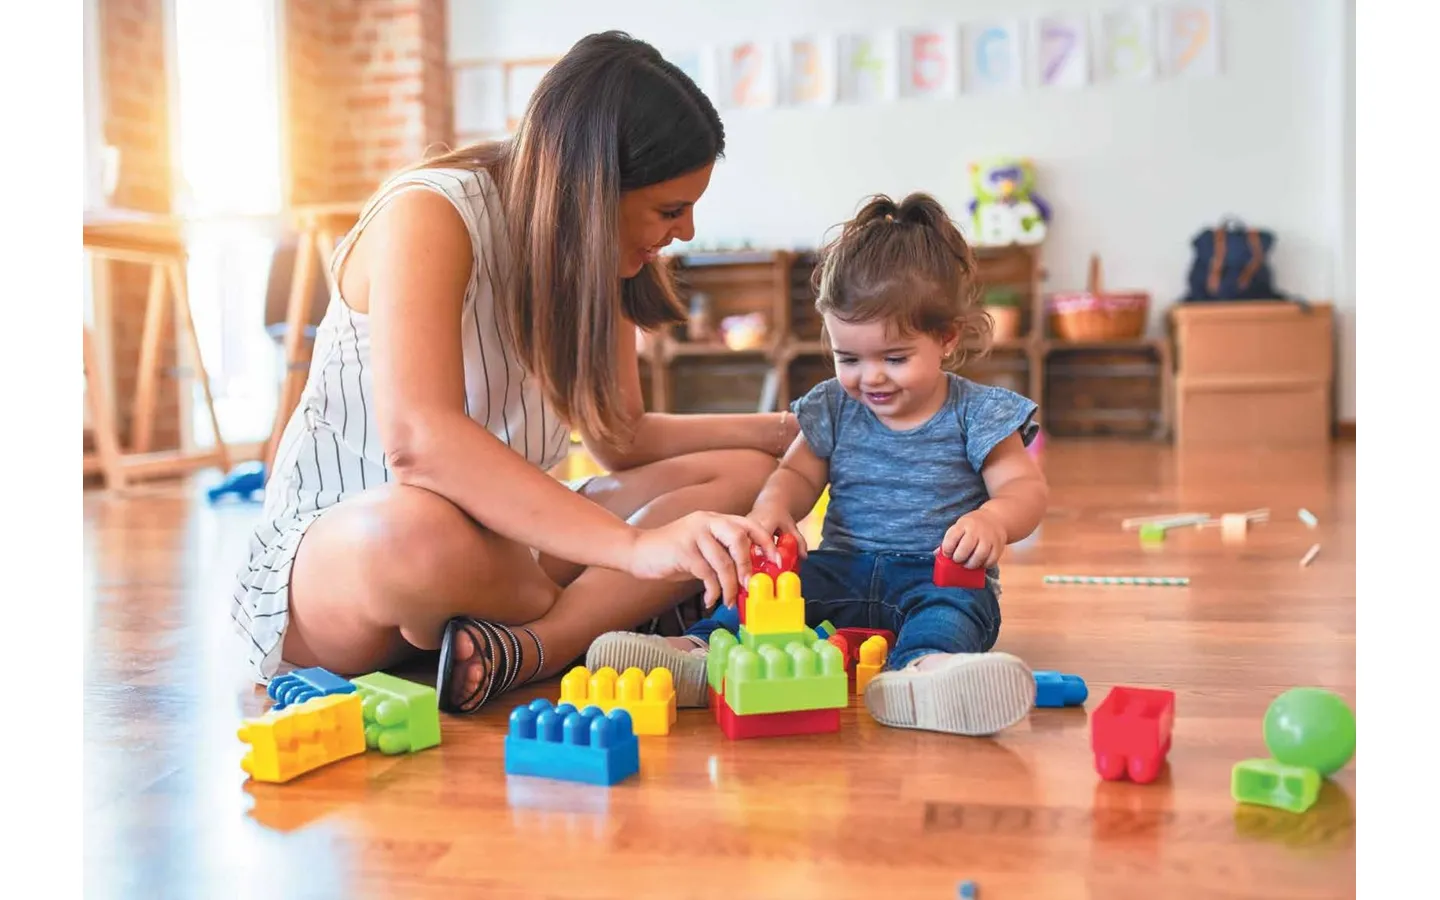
[906,264]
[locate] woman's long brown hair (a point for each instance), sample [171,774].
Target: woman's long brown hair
[612,115]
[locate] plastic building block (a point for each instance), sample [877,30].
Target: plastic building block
[871,661]
[968,890]
[1269,783]
[1152,533]
[949,573]
[306,684]
[781,724]
[775,605]
[243,481]
[769,679]
[780,639]
[1311,727]
[649,699]
[564,743]
[400,716]
[1130,733]
[286,743]
[1053,689]
[849,641]
[789,550]
[824,630]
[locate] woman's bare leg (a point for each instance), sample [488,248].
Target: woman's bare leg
[379,575]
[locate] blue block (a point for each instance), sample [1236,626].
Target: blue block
[306,684]
[563,743]
[968,890]
[1055,689]
[243,481]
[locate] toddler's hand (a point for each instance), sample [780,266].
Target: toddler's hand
[777,520]
[975,541]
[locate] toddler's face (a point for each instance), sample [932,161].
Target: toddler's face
[900,377]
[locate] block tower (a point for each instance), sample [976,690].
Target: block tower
[777,678]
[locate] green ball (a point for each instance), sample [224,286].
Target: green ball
[1310,727]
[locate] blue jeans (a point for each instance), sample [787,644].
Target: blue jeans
[893,591]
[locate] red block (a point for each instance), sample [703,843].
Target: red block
[949,573]
[789,562]
[1130,733]
[849,641]
[782,724]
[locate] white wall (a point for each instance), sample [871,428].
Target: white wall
[1131,171]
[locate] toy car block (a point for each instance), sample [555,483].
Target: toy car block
[949,573]
[1055,689]
[1130,733]
[1270,783]
[649,699]
[824,630]
[306,684]
[567,744]
[775,605]
[770,680]
[287,743]
[871,661]
[400,716]
[781,724]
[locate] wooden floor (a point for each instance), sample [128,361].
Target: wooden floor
[869,812]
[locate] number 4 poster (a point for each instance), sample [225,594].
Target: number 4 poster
[1062,52]
[1189,39]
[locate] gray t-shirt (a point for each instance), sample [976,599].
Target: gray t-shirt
[900,491]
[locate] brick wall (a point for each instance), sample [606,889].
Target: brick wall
[136,120]
[368,89]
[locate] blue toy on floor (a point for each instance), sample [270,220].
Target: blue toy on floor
[243,481]
[1056,689]
[571,745]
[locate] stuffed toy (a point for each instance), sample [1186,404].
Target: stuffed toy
[1006,210]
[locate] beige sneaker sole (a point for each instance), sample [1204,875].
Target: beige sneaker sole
[975,694]
[622,649]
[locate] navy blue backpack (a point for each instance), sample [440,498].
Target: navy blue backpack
[1232,263]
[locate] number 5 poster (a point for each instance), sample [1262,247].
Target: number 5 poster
[1062,52]
[1189,40]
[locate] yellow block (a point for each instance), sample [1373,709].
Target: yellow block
[294,740]
[871,661]
[649,699]
[767,613]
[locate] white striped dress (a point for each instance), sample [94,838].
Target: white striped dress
[331,447]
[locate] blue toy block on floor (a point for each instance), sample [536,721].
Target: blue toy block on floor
[243,481]
[1056,689]
[305,684]
[570,745]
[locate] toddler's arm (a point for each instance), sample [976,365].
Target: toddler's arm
[792,490]
[1018,490]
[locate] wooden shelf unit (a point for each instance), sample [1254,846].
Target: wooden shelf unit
[682,376]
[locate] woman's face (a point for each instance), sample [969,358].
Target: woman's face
[655,215]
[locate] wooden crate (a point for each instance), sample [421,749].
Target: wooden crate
[1104,393]
[733,383]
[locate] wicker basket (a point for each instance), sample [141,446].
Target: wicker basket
[1006,323]
[1098,315]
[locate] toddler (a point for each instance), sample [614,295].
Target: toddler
[919,461]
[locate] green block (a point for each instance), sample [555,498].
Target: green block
[769,679]
[1152,534]
[400,716]
[720,643]
[1270,783]
[782,640]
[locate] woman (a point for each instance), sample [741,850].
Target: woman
[486,302]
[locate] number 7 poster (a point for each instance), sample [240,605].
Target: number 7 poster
[1062,52]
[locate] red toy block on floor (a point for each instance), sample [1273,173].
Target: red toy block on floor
[782,724]
[949,573]
[789,562]
[1130,733]
[849,641]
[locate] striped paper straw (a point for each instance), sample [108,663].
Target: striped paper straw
[1118,579]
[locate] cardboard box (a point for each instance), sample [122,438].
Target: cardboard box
[1253,372]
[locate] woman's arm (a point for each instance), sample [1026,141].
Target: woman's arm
[417,266]
[660,436]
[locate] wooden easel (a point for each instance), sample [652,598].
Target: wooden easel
[156,242]
[319,227]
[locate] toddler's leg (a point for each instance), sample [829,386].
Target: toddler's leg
[940,677]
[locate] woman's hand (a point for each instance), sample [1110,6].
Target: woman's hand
[711,547]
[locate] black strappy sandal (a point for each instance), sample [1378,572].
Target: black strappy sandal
[501,668]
